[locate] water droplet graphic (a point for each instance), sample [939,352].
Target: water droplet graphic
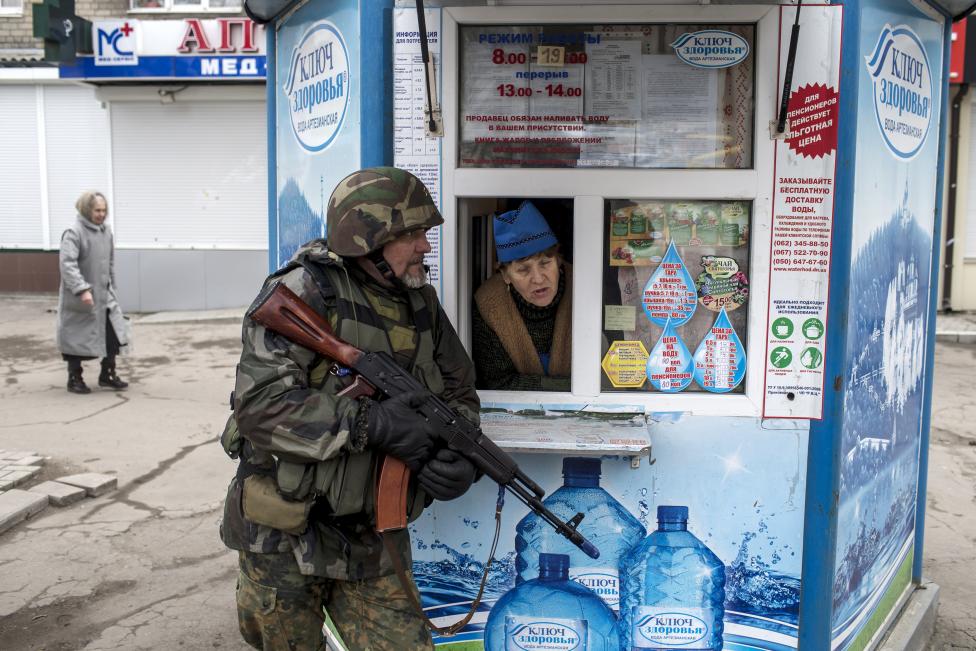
[670,292]
[670,366]
[720,363]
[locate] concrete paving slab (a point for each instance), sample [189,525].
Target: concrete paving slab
[4,484]
[94,483]
[17,505]
[59,494]
[21,468]
[18,476]
[31,461]
[14,455]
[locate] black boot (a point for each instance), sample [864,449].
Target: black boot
[108,378]
[76,384]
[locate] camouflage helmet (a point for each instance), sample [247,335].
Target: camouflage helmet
[374,206]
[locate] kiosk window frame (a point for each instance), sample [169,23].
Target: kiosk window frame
[589,189]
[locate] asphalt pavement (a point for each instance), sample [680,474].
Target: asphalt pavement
[142,567]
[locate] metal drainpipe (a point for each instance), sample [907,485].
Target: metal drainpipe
[954,124]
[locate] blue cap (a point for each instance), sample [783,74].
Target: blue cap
[554,567]
[581,471]
[672,514]
[521,233]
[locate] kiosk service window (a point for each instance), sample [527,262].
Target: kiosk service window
[644,157]
[522,311]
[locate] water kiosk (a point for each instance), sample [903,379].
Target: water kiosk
[753,300]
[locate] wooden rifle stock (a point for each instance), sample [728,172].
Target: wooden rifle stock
[283,312]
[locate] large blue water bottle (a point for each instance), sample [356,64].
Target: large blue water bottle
[551,613]
[607,524]
[672,589]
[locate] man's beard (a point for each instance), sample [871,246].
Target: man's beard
[414,280]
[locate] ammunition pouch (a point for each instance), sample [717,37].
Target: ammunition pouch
[346,483]
[263,504]
[349,487]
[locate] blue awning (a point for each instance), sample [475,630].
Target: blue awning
[958,9]
[264,11]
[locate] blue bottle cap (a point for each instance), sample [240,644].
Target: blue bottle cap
[554,567]
[672,514]
[582,471]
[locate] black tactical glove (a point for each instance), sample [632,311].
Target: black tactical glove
[395,427]
[447,476]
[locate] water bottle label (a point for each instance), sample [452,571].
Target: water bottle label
[602,580]
[658,627]
[544,634]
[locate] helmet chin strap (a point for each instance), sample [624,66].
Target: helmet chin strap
[376,257]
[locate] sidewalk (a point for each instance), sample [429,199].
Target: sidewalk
[142,567]
[957,327]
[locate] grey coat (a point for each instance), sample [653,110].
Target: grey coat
[87,261]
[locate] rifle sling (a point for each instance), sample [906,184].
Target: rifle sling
[409,586]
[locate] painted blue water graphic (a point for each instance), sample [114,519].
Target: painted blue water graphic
[670,367]
[670,292]
[756,596]
[720,363]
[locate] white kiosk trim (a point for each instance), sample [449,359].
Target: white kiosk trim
[589,187]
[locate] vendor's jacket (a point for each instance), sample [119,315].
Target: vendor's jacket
[290,424]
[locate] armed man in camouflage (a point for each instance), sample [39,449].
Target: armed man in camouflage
[300,509]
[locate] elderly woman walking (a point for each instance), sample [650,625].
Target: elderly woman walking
[90,321]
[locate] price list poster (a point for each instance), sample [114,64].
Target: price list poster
[413,149]
[803,211]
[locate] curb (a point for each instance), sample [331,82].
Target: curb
[190,316]
[916,622]
[957,337]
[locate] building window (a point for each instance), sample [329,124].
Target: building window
[11,7]
[182,6]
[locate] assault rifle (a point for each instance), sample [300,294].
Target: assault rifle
[377,375]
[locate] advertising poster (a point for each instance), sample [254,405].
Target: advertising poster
[318,117]
[682,272]
[594,95]
[895,190]
[732,491]
[803,209]
[230,48]
[413,149]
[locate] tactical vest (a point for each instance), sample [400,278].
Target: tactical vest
[347,482]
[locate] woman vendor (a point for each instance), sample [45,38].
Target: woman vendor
[522,335]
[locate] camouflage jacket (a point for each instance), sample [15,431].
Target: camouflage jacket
[294,425]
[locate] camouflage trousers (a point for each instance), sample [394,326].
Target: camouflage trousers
[280,609]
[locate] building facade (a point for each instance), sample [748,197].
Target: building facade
[957,288]
[167,119]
